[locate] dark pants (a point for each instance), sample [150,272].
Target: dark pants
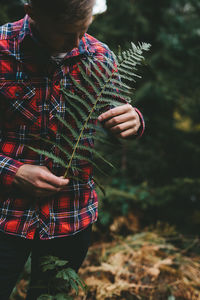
[14,252]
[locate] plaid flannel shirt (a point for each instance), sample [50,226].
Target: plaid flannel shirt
[30,98]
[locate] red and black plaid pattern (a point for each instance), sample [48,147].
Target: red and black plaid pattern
[30,97]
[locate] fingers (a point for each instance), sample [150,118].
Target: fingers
[125,126]
[51,180]
[127,133]
[122,121]
[122,109]
[39,180]
[48,184]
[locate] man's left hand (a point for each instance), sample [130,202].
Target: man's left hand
[123,121]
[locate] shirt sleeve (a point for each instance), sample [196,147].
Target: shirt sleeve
[142,124]
[8,169]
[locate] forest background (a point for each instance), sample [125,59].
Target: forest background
[157,183]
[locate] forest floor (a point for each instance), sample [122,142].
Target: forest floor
[155,264]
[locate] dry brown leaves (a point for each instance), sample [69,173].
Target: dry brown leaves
[142,266]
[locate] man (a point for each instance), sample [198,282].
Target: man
[40,211]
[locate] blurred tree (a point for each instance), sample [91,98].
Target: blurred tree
[11,10]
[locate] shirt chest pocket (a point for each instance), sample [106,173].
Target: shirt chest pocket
[19,102]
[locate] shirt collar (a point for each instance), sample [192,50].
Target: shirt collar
[25,29]
[83,49]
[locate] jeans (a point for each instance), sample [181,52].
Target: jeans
[14,252]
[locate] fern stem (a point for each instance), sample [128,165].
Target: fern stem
[84,126]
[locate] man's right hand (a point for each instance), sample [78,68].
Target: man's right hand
[38,181]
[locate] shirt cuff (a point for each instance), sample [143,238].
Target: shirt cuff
[8,170]
[142,126]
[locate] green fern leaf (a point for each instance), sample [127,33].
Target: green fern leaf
[97,78]
[73,132]
[88,80]
[101,75]
[99,186]
[73,96]
[92,150]
[83,90]
[49,155]
[63,150]
[104,76]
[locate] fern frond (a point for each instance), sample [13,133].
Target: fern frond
[93,127]
[106,68]
[126,69]
[100,139]
[83,90]
[97,78]
[49,155]
[99,185]
[99,71]
[93,151]
[67,139]
[88,80]
[77,98]
[116,95]
[63,150]
[81,157]
[127,78]
[73,132]
[100,86]
[120,83]
[106,102]
[118,88]
[110,63]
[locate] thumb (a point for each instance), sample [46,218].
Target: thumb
[62,177]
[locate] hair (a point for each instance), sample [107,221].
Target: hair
[65,10]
